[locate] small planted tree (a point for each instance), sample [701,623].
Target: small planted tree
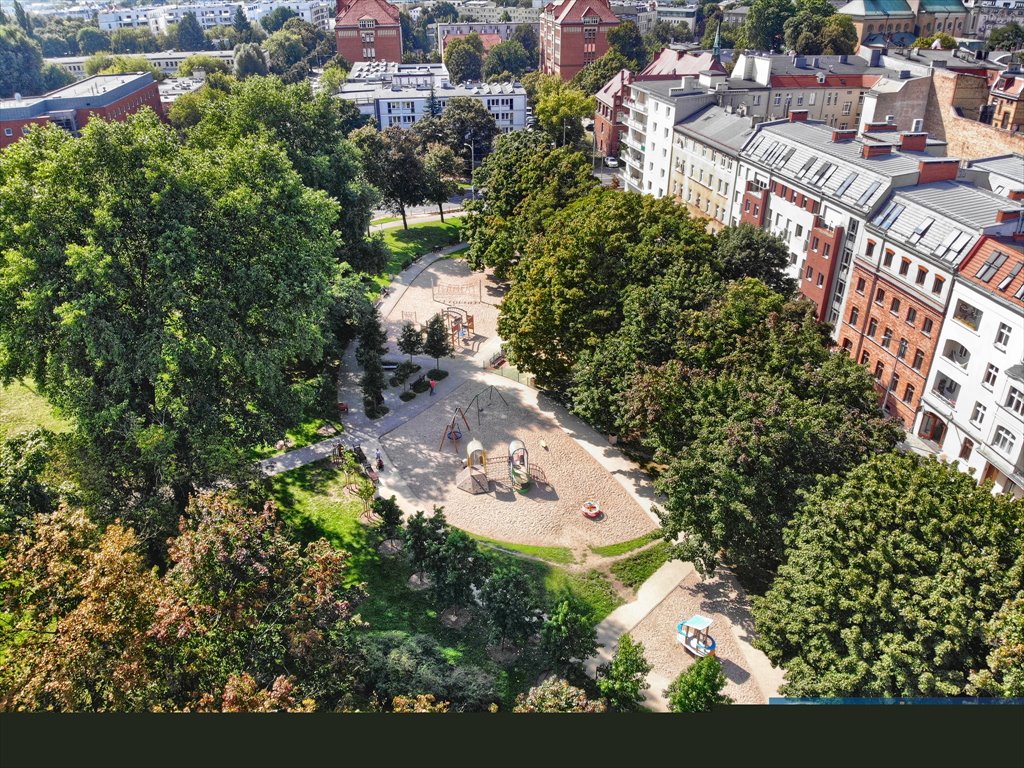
[437,344]
[422,535]
[510,605]
[390,517]
[455,566]
[373,383]
[410,340]
[624,679]
[698,688]
[373,341]
[568,636]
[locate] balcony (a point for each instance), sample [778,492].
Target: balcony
[632,143]
[638,106]
[957,354]
[946,390]
[820,223]
[636,125]
[967,315]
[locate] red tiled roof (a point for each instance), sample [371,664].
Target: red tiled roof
[351,11]
[614,87]
[573,11]
[1009,85]
[670,64]
[831,81]
[1014,252]
[488,40]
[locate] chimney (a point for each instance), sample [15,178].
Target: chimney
[1007,215]
[878,150]
[878,127]
[938,169]
[844,134]
[798,115]
[1016,194]
[913,142]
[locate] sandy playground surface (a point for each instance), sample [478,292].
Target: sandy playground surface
[565,475]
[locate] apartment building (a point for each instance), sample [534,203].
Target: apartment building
[112,97]
[405,105]
[319,13]
[1007,100]
[208,15]
[166,61]
[574,33]
[487,12]
[705,162]
[368,30]
[985,15]
[490,34]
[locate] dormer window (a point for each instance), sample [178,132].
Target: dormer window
[367,23]
[591,19]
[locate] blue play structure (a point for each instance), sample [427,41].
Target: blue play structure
[693,634]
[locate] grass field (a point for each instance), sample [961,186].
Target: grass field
[407,245]
[635,570]
[22,409]
[623,547]
[558,555]
[315,502]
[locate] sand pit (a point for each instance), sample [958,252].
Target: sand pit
[549,514]
[718,599]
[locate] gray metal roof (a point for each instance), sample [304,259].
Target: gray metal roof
[1009,166]
[661,89]
[716,126]
[963,203]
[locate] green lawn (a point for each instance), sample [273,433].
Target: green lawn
[635,570]
[314,503]
[407,245]
[22,409]
[385,220]
[301,435]
[626,546]
[559,555]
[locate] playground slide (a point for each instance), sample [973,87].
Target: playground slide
[519,479]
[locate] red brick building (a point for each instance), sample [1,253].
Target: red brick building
[574,33]
[368,30]
[112,97]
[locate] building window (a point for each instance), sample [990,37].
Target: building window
[847,346]
[879,370]
[864,357]
[821,279]
[894,306]
[872,327]
[846,107]
[887,259]
[978,414]
[860,285]
[879,296]
[854,315]
[814,244]
[904,267]
[922,273]
[8,132]
[966,449]
[911,316]
[809,273]
[902,351]
[1003,440]
[869,251]
[918,360]
[1015,400]
[926,326]
[937,285]
[991,374]
[908,393]
[1003,336]
[887,338]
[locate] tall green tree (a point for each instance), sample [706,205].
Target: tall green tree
[507,57]
[699,687]
[22,20]
[526,36]
[1004,671]
[748,251]
[469,129]
[436,343]
[626,40]
[595,75]
[91,40]
[240,22]
[423,535]
[623,680]
[21,63]
[274,20]
[464,62]
[568,636]
[190,34]
[1009,37]
[510,604]
[456,567]
[560,109]
[441,169]
[410,340]
[765,26]
[393,165]
[250,60]
[133,261]
[891,575]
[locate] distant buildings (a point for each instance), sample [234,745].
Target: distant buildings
[901,22]
[574,33]
[112,97]
[491,34]
[167,61]
[412,96]
[368,30]
[158,18]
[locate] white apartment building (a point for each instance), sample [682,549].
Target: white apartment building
[209,15]
[123,18]
[973,408]
[316,12]
[491,13]
[676,14]
[646,146]
[167,61]
[985,15]
[405,105]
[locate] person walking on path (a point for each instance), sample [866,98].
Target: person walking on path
[432,385]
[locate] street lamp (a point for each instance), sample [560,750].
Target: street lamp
[472,166]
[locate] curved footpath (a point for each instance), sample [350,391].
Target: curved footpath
[673,590]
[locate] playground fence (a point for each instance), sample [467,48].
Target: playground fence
[515,374]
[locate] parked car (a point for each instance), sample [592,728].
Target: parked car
[611,161]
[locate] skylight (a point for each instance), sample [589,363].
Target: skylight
[872,188]
[1005,282]
[991,266]
[846,184]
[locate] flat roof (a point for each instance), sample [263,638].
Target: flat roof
[717,126]
[961,202]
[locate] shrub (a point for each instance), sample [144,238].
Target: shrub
[437,374]
[420,386]
[405,397]
[698,688]
[395,381]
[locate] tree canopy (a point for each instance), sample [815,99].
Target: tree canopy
[890,580]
